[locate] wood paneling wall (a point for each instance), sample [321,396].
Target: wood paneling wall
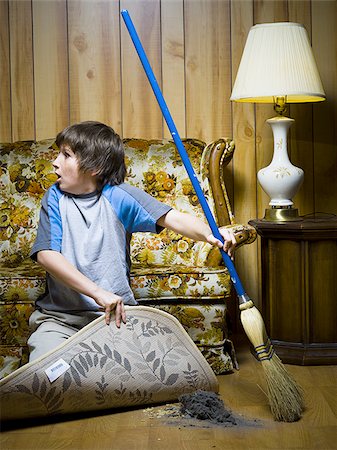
[64,61]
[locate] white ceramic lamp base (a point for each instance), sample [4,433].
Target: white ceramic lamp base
[281,179]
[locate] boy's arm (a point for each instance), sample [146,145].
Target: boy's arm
[61,269]
[194,228]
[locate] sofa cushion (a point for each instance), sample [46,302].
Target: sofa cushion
[11,358]
[19,288]
[178,281]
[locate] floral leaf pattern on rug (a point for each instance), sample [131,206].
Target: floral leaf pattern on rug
[50,399]
[149,360]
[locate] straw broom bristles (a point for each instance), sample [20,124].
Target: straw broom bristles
[285,396]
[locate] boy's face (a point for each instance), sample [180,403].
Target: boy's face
[70,178]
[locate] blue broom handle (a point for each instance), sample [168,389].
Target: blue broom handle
[183,154]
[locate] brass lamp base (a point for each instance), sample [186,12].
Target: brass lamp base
[281,214]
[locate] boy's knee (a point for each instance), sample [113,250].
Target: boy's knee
[46,338]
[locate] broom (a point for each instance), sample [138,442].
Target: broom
[285,397]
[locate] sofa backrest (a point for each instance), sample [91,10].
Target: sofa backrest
[155,166]
[26,173]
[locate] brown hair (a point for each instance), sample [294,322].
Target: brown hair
[97,148]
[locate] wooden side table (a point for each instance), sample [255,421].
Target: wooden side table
[299,294]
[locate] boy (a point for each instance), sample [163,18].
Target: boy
[86,221]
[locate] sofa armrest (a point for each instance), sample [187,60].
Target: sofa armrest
[216,157]
[210,256]
[244,234]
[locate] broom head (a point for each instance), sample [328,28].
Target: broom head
[284,395]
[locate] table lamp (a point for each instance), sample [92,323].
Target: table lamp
[278,67]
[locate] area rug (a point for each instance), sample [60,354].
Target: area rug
[149,360]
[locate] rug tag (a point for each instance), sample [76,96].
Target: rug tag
[56,370]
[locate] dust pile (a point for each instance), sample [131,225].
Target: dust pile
[205,405]
[200,409]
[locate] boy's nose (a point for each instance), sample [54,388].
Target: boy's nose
[55,162]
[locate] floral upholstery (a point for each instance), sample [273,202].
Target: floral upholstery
[170,272]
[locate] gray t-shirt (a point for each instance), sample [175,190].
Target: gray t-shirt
[93,232]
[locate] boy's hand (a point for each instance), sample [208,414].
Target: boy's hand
[229,241]
[58,266]
[110,302]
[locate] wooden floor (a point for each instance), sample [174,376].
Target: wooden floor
[151,429]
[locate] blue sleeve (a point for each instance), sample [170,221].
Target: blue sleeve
[137,210]
[49,232]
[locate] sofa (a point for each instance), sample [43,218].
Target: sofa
[184,278]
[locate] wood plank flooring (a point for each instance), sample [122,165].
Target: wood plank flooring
[152,429]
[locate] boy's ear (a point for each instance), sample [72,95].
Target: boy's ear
[94,173]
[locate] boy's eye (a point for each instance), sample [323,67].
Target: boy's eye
[66,154]
[66,151]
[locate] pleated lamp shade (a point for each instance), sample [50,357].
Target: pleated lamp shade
[278,62]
